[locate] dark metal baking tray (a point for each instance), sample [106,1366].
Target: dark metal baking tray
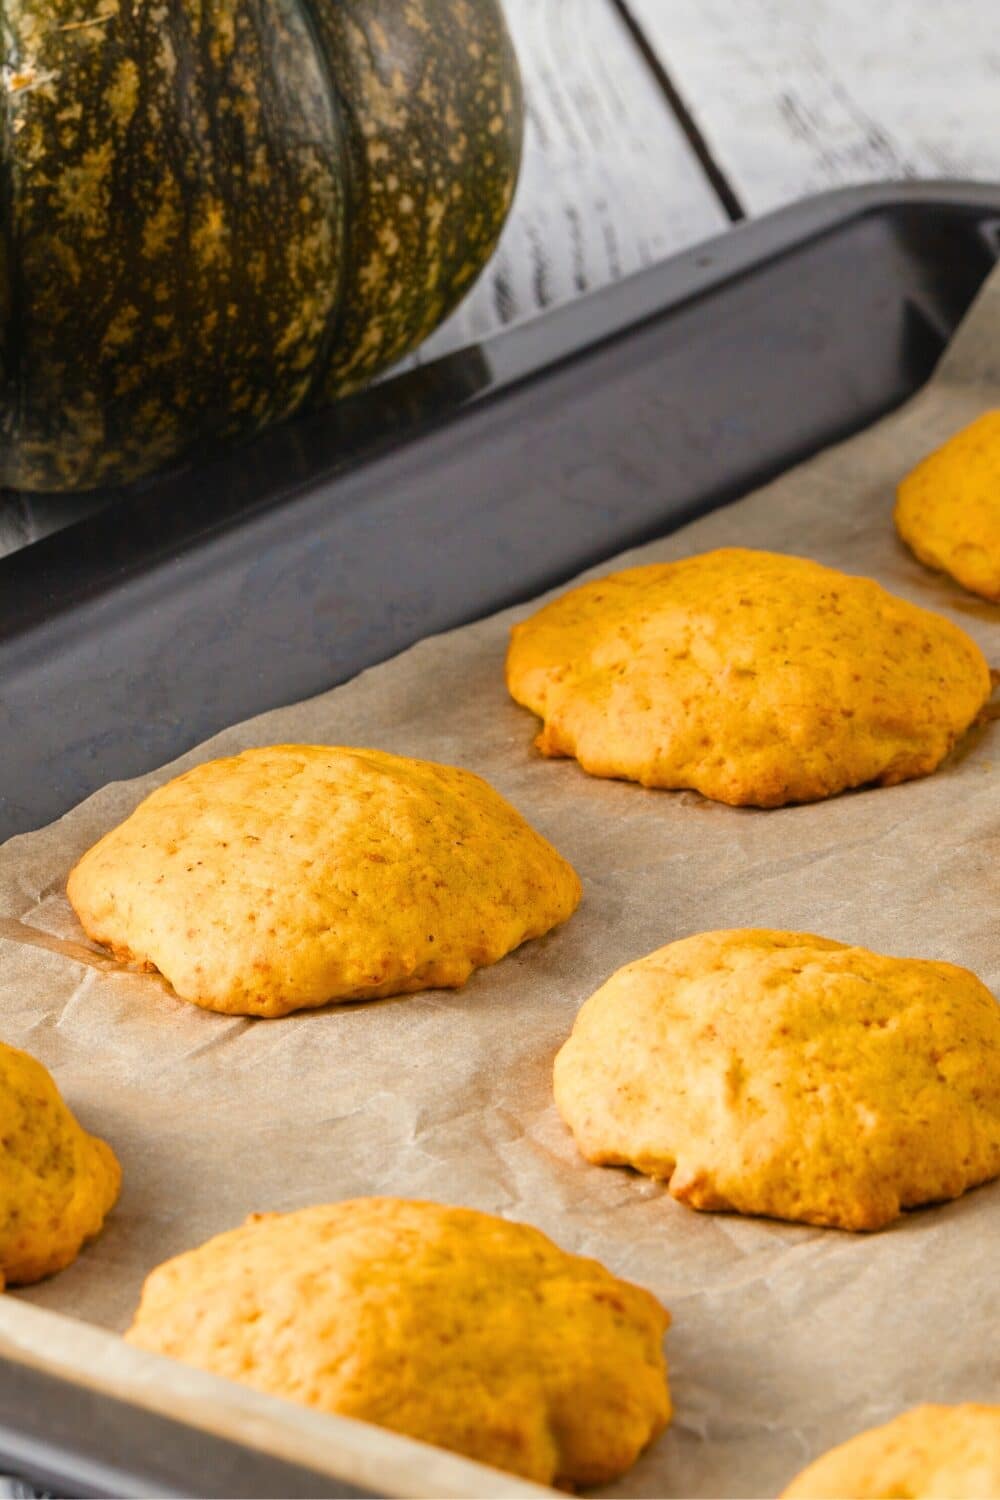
[265,575]
[273,572]
[67,1440]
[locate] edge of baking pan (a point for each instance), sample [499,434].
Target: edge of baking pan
[274,571]
[143,1425]
[86,1438]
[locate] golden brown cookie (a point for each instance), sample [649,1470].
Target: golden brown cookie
[289,876]
[57,1183]
[452,1326]
[930,1453]
[784,1074]
[752,677]
[948,508]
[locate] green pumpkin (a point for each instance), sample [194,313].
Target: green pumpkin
[217,211]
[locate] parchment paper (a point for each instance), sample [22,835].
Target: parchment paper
[786,1339]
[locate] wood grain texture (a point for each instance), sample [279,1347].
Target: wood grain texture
[794,98]
[608,183]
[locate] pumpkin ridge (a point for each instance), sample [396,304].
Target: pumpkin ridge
[214,215]
[431,98]
[176,207]
[335,320]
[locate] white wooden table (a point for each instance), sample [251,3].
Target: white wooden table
[653,124]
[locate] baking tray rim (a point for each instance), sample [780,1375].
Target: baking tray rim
[517,356]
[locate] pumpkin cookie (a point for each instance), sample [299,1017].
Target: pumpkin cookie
[290,876]
[751,677]
[451,1326]
[783,1074]
[57,1183]
[930,1453]
[948,509]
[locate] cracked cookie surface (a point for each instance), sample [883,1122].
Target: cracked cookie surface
[783,1074]
[452,1326]
[57,1183]
[752,677]
[286,877]
[929,1453]
[948,508]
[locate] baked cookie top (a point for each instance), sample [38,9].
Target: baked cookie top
[752,677]
[783,1074]
[57,1183]
[948,508]
[929,1453]
[451,1326]
[293,875]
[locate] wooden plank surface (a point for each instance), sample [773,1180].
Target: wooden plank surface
[792,98]
[609,182]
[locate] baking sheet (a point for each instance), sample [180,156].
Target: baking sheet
[786,1339]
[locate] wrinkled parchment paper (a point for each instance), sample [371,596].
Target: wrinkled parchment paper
[785,1339]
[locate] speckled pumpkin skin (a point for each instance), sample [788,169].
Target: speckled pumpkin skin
[216,211]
